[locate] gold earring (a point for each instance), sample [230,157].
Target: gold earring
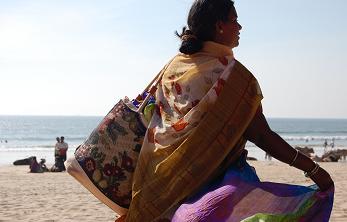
[221,31]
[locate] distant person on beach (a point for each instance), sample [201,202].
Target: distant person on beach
[63,147]
[325,145]
[333,144]
[35,167]
[56,147]
[60,155]
[43,166]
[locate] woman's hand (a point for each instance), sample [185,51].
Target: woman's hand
[322,179]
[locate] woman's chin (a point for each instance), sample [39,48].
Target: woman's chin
[235,44]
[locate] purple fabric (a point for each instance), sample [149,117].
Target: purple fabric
[240,196]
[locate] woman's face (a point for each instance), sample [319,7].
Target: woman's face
[228,33]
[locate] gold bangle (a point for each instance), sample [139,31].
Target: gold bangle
[296,157]
[312,172]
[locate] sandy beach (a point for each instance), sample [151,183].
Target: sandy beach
[59,197]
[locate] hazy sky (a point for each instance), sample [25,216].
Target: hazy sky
[66,57]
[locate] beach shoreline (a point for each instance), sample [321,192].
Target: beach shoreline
[59,197]
[7,157]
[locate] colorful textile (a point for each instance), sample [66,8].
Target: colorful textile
[240,196]
[104,163]
[109,155]
[204,104]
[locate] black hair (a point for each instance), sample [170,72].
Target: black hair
[202,19]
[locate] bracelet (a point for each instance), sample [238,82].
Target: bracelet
[312,172]
[296,157]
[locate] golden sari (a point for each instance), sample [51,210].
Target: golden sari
[205,102]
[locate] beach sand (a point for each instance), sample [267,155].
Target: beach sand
[59,197]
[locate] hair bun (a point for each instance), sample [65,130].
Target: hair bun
[190,43]
[188,37]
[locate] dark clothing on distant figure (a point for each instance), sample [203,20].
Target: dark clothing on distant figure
[35,167]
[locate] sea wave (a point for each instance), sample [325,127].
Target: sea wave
[323,137]
[41,138]
[302,131]
[31,147]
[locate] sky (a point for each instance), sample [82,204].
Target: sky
[74,57]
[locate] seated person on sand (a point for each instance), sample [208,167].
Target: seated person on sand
[58,165]
[43,166]
[35,167]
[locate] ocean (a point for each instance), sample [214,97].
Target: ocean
[24,136]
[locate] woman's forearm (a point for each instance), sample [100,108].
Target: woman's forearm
[261,135]
[277,147]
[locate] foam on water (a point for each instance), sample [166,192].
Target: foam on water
[35,135]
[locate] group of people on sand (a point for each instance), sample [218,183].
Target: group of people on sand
[60,151]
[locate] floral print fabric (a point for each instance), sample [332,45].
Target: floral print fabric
[183,97]
[110,153]
[203,105]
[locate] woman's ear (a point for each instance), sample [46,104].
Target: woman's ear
[219,27]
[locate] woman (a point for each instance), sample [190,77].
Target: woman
[35,167]
[192,160]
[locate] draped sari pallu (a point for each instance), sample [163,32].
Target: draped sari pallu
[186,147]
[164,177]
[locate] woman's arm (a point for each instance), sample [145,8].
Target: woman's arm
[259,133]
